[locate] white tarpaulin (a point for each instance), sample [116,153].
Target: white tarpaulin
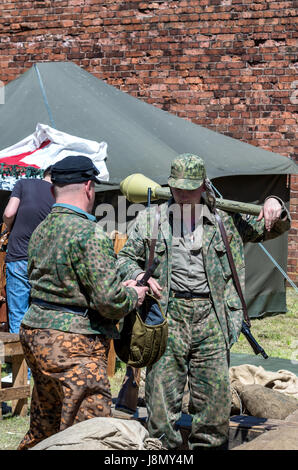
[47,146]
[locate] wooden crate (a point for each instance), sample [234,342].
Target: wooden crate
[19,391]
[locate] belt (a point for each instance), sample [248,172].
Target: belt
[61,308]
[189,295]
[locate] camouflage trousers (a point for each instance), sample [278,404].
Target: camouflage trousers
[70,380]
[196,352]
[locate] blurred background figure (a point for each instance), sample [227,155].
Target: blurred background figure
[30,202]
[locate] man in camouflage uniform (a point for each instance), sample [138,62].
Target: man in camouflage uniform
[195,287]
[77,298]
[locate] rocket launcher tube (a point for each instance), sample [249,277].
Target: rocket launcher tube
[135,189]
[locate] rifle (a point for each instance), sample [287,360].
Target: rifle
[245,328]
[252,341]
[127,399]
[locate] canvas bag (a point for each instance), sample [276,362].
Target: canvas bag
[143,338]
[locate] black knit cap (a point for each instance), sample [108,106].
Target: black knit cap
[74,169]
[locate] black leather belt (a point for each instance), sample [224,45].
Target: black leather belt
[189,295]
[61,308]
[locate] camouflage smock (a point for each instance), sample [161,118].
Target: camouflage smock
[133,258]
[71,261]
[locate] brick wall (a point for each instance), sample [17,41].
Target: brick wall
[229,65]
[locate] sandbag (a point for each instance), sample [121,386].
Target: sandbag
[292,418]
[282,381]
[263,402]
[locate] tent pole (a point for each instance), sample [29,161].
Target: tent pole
[45,99]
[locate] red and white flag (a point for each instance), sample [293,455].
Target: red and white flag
[47,146]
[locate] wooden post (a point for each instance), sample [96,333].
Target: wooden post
[19,382]
[111,360]
[19,391]
[119,241]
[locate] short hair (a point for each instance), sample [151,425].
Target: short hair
[47,171]
[62,188]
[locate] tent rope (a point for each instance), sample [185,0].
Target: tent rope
[45,99]
[279,267]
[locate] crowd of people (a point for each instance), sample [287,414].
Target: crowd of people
[67,290]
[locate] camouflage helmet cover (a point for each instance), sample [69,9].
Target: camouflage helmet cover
[187,172]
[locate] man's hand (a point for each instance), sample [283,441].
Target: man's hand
[153,284]
[271,212]
[141,290]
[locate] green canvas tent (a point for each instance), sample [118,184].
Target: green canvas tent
[144,139]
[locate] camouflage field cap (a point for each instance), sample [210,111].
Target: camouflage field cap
[187,172]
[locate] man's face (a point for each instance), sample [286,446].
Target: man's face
[188,196]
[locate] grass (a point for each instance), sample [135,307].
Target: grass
[277,334]
[12,430]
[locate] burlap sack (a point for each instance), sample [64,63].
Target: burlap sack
[101,434]
[292,418]
[282,381]
[262,402]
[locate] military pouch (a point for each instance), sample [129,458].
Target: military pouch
[143,338]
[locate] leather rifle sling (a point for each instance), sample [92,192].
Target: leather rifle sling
[232,266]
[154,236]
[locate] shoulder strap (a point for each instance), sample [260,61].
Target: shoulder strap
[232,266]
[154,235]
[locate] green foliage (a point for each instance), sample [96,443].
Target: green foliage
[19,171]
